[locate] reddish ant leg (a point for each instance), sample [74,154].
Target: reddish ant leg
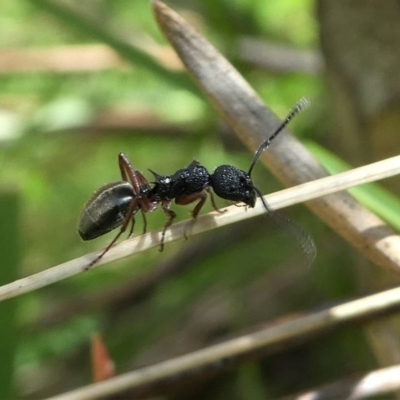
[187,199]
[171,216]
[129,217]
[214,204]
[140,185]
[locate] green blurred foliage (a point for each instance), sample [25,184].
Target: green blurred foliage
[10,258]
[56,162]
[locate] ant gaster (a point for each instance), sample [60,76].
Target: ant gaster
[116,204]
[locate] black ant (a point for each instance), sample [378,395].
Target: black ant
[116,204]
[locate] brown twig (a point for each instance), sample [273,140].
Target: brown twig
[79,59]
[245,113]
[215,359]
[112,121]
[278,58]
[75,59]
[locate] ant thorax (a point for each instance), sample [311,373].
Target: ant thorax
[186,181]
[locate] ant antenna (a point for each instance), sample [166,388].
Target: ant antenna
[300,105]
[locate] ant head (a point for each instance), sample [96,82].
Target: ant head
[233,184]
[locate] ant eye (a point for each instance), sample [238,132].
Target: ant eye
[244,181]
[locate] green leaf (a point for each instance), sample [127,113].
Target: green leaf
[371,195]
[9,263]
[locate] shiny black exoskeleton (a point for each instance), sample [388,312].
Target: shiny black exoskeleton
[117,204]
[106,210]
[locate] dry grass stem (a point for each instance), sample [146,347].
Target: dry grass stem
[71,59]
[284,198]
[225,355]
[241,108]
[374,383]
[279,58]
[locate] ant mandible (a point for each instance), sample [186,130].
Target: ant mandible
[116,204]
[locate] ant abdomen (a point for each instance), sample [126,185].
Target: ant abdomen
[106,210]
[231,183]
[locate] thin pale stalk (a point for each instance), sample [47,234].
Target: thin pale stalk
[219,357]
[284,198]
[243,110]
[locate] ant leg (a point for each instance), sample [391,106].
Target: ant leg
[129,217]
[187,199]
[124,165]
[171,216]
[140,186]
[190,198]
[132,226]
[214,204]
[144,223]
[128,174]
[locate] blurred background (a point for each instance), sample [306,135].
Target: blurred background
[81,82]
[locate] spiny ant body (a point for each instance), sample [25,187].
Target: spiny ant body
[116,204]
